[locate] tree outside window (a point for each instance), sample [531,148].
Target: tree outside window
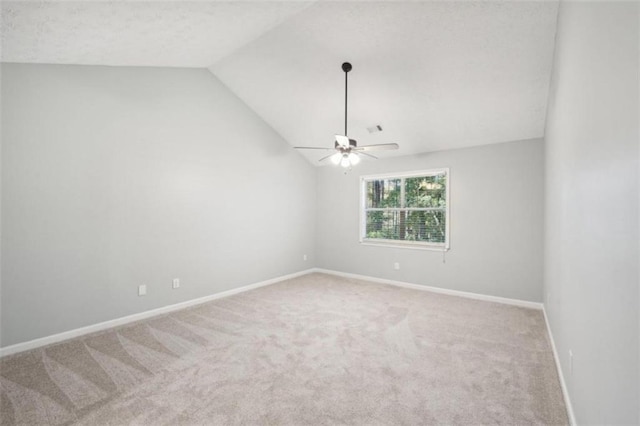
[409,208]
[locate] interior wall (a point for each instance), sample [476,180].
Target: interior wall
[116,177]
[496,222]
[591,233]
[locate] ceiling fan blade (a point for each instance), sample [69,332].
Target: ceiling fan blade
[327,157]
[313,147]
[342,141]
[380,147]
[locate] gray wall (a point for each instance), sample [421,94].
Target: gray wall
[115,177]
[591,236]
[496,222]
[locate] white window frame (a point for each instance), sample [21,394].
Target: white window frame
[419,245]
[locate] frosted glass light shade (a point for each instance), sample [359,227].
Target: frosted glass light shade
[335,158]
[354,158]
[345,161]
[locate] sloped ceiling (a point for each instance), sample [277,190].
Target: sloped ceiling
[435,74]
[135,33]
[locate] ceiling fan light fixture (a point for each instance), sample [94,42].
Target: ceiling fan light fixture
[347,150]
[335,158]
[354,158]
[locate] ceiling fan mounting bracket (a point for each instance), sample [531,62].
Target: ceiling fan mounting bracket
[346,67]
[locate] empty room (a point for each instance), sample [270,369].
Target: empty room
[319,212]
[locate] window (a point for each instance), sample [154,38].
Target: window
[406,209]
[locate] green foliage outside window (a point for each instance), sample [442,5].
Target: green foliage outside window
[407,209]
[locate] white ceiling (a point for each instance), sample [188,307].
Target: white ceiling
[435,74]
[143,33]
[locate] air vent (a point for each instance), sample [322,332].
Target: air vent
[374,129]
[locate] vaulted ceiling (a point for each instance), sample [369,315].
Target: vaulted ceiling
[434,75]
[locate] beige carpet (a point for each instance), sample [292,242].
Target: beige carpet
[313,350]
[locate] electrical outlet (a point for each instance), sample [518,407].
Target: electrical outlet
[304,257]
[396,266]
[176,282]
[570,362]
[142,290]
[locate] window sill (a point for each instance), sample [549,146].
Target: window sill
[405,245]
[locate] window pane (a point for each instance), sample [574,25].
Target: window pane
[426,191]
[383,193]
[427,226]
[385,225]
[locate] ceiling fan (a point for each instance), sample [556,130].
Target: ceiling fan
[347,150]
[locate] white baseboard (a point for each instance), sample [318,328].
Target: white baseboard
[468,295]
[563,384]
[55,338]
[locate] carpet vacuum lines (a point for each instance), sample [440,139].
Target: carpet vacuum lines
[314,349]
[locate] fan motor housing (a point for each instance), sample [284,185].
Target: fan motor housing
[352,144]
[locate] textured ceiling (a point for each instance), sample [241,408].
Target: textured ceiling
[436,75]
[147,33]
